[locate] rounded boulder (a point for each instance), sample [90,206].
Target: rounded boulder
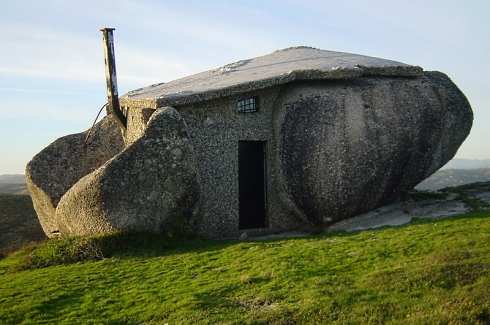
[151,186]
[349,147]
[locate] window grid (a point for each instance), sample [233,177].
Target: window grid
[248,105]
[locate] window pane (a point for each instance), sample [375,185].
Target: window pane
[247,105]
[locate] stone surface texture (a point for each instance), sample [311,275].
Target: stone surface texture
[400,213]
[349,147]
[152,185]
[343,134]
[335,149]
[215,130]
[56,168]
[396,214]
[137,119]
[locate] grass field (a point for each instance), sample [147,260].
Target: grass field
[427,272]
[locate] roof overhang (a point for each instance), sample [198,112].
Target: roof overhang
[277,68]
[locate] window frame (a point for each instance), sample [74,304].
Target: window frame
[247,105]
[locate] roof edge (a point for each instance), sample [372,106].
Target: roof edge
[185,98]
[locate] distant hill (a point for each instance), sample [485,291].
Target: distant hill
[455,172]
[12,179]
[13,184]
[467,164]
[454,177]
[18,222]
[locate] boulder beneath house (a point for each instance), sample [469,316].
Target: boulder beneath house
[61,164]
[151,185]
[350,147]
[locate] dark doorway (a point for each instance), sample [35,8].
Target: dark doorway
[251,169]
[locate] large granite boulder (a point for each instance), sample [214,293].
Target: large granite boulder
[150,186]
[61,164]
[349,147]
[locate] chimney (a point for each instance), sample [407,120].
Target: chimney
[111,79]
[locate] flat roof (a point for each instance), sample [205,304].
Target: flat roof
[279,67]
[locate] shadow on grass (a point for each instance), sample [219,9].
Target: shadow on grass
[130,245]
[121,245]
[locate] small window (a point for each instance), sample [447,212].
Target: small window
[247,105]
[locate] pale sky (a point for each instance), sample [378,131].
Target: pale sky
[51,58]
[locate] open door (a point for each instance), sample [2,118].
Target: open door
[252,186]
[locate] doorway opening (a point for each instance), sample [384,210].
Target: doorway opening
[252,184]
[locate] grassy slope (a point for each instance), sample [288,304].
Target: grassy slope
[431,272]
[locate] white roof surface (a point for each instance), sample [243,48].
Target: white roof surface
[279,67]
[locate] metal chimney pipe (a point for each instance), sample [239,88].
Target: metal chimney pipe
[111,79]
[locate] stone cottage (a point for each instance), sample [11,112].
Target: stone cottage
[301,137]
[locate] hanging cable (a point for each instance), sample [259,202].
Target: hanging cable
[95,121]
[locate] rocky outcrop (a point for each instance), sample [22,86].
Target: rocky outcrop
[344,134]
[349,147]
[61,164]
[150,186]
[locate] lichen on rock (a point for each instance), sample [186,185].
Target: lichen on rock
[152,185]
[343,134]
[347,148]
[54,170]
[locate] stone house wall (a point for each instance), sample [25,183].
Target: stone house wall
[325,143]
[216,128]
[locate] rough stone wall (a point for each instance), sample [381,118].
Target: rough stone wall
[137,120]
[334,148]
[216,128]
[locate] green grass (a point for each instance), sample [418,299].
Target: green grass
[426,272]
[426,195]
[463,192]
